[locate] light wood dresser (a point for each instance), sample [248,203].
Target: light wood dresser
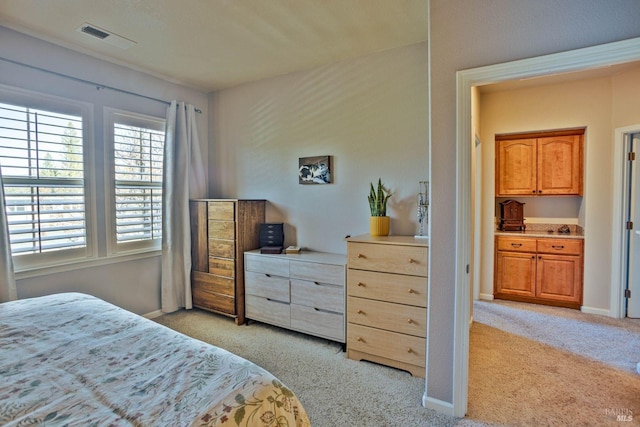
[304,292]
[221,231]
[387,301]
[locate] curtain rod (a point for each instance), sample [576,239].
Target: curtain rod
[97,85]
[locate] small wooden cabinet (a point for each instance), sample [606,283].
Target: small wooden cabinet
[221,230]
[387,301]
[539,270]
[540,164]
[304,292]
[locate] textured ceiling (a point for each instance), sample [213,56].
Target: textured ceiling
[213,44]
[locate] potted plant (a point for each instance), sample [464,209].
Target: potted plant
[379,221]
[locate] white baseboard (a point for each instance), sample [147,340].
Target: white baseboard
[485,297]
[153,314]
[437,405]
[599,311]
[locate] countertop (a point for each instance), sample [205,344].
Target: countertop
[545,230]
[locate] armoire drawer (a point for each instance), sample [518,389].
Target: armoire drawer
[410,290]
[411,260]
[388,316]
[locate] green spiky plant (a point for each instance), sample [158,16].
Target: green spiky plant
[378,199]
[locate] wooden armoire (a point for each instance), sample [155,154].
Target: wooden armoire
[221,231]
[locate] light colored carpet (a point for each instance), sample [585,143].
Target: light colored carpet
[334,390]
[530,365]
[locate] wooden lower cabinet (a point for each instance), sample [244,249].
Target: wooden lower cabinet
[539,270]
[387,301]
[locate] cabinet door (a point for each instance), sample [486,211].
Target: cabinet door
[516,274]
[560,165]
[516,167]
[559,278]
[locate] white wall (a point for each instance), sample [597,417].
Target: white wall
[134,285]
[463,35]
[369,114]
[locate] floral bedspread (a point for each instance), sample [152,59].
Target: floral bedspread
[72,359]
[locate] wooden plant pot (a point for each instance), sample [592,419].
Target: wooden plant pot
[379,225]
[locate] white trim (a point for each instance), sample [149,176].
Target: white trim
[153,314]
[598,311]
[85,263]
[563,62]
[618,246]
[437,405]
[486,297]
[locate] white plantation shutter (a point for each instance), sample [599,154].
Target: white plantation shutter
[41,155]
[137,171]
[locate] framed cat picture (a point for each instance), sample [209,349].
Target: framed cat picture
[314,170]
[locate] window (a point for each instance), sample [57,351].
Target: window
[137,144]
[42,147]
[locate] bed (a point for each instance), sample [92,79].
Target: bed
[73,359]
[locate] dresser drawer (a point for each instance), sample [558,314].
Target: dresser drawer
[222,230]
[222,267]
[267,286]
[516,244]
[317,295]
[222,248]
[411,290]
[390,345]
[560,246]
[317,322]
[223,211]
[268,311]
[323,273]
[267,265]
[388,316]
[399,259]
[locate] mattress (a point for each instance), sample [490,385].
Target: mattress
[73,359]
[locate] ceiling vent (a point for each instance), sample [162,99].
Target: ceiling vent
[105,36]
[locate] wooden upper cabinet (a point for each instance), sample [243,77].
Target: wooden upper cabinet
[516,161]
[560,165]
[540,164]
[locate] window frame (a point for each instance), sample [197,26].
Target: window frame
[54,104]
[111,117]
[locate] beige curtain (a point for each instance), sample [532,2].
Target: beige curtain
[183,178]
[8,290]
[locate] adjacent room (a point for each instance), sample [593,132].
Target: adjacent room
[300,213]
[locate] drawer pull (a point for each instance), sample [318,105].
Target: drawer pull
[361,284]
[360,339]
[360,312]
[411,291]
[409,321]
[516,245]
[316,283]
[412,261]
[268,275]
[361,256]
[409,350]
[558,247]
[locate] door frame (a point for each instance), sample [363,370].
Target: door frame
[563,62]
[620,206]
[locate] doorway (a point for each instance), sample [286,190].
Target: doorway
[566,62]
[631,225]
